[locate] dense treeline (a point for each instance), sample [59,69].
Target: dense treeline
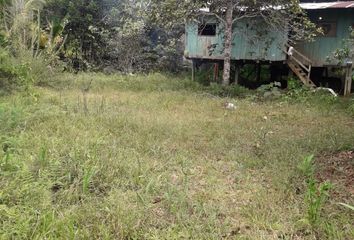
[113,34]
[80,35]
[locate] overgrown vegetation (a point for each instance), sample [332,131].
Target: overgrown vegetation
[24,60]
[129,154]
[156,157]
[115,36]
[47,37]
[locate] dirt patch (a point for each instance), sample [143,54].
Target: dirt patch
[337,168]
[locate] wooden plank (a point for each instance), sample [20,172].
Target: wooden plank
[193,70]
[307,81]
[300,54]
[216,72]
[301,64]
[348,80]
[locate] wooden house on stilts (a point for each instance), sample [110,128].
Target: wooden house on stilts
[312,62]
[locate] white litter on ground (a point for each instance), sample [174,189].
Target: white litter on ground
[330,90]
[230,106]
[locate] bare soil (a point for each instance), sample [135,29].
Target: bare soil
[338,168]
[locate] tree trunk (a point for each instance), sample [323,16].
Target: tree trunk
[228,44]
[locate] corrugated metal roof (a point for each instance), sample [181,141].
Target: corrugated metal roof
[326,5]
[314,6]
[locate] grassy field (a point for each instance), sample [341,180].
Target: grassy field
[157,157]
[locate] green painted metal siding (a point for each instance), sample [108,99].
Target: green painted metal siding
[324,47]
[200,46]
[252,41]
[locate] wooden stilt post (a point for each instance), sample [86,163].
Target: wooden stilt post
[237,73]
[258,71]
[193,70]
[216,72]
[348,79]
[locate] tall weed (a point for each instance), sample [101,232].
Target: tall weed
[316,194]
[86,179]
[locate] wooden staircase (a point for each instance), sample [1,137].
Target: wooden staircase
[300,65]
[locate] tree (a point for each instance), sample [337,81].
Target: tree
[126,37]
[81,18]
[345,56]
[280,15]
[115,35]
[23,62]
[21,23]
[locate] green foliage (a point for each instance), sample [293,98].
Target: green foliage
[86,179]
[13,75]
[22,71]
[316,194]
[299,93]
[294,84]
[271,90]
[83,45]
[306,166]
[346,53]
[296,91]
[114,36]
[24,61]
[228,91]
[249,72]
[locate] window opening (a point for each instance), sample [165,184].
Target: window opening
[329,29]
[208,29]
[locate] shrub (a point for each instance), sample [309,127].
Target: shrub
[22,71]
[270,91]
[228,91]
[12,74]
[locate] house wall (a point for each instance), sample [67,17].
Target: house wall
[200,47]
[323,47]
[252,41]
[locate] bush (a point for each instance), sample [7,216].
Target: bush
[228,91]
[20,72]
[12,74]
[270,91]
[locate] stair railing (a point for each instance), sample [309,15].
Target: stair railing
[299,58]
